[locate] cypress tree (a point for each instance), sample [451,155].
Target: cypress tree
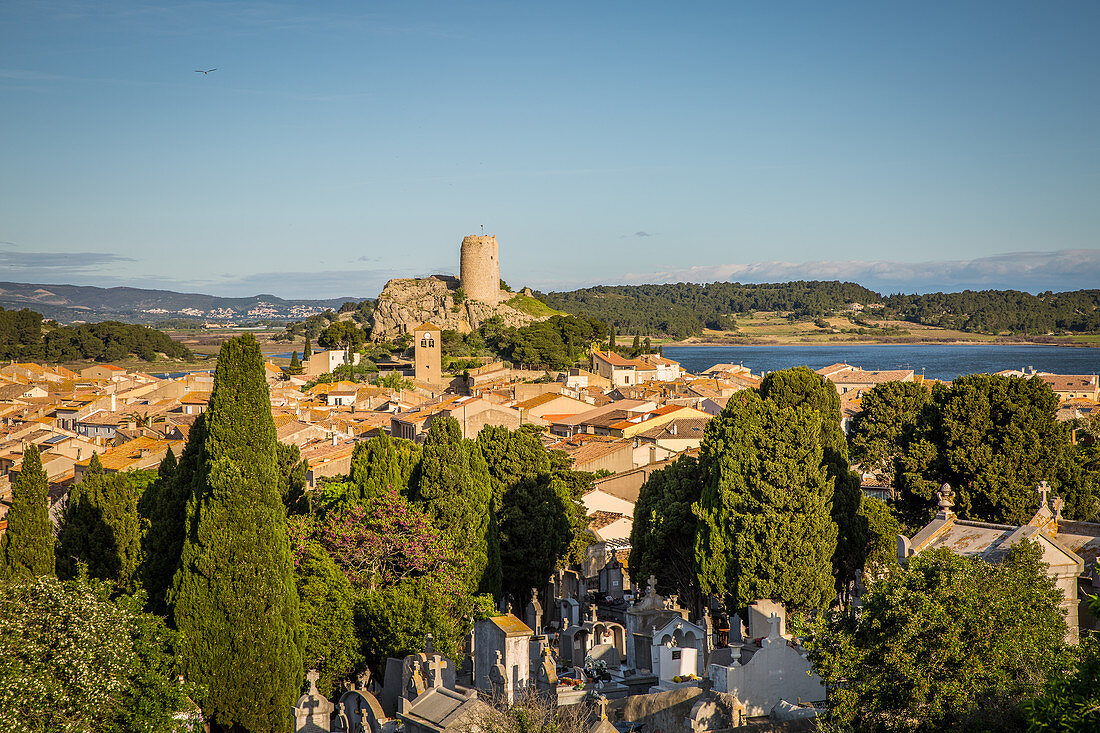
[307,351]
[611,337]
[295,366]
[453,487]
[164,506]
[26,549]
[382,463]
[233,598]
[803,386]
[103,529]
[764,526]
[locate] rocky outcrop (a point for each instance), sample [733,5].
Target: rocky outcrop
[406,303]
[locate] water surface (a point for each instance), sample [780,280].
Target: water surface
[938,361]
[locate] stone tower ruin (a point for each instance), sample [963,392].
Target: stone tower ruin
[479,269]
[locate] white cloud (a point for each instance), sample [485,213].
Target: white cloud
[1067,269]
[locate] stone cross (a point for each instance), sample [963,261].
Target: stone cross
[601,703]
[1043,488]
[342,718]
[592,613]
[651,586]
[773,623]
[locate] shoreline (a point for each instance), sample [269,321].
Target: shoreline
[710,343]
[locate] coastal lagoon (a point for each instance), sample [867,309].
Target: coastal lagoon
[938,361]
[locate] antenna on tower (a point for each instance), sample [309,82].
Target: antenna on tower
[483,230]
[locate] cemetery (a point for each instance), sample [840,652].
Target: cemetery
[674,674]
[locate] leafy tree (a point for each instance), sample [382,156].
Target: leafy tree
[538,510]
[385,541]
[451,483]
[948,643]
[764,525]
[295,367]
[327,603]
[408,577]
[233,597]
[393,621]
[394,381]
[1071,700]
[993,439]
[683,309]
[663,536]
[73,660]
[26,549]
[342,335]
[881,550]
[803,386]
[511,455]
[884,427]
[555,343]
[103,528]
[536,530]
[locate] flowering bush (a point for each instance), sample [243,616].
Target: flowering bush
[73,660]
[385,541]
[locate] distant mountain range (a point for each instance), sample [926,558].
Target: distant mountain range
[70,303]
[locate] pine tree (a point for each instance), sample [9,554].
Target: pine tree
[103,529]
[764,526]
[26,549]
[233,598]
[295,367]
[453,487]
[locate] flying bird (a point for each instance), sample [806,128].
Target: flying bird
[200,71]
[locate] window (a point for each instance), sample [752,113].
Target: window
[427,343]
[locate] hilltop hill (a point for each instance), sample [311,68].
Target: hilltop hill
[69,303]
[681,310]
[405,303]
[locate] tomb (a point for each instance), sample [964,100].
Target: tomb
[761,674]
[509,637]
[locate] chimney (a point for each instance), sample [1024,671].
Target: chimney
[114,402]
[334,438]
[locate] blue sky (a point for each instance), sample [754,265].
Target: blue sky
[906,146]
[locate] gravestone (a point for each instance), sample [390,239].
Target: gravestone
[546,675]
[606,653]
[498,682]
[362,712]
[313,712]
[532,614]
